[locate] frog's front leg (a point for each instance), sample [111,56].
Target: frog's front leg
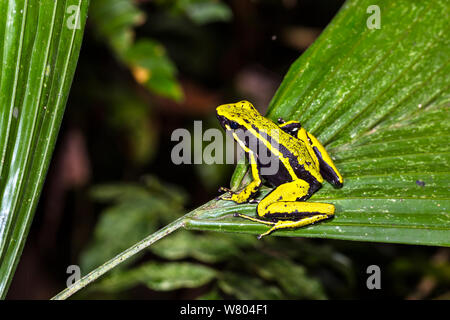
[327,168]
[283,208]
[250,190]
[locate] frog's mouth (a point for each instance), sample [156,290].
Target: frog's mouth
[222,121]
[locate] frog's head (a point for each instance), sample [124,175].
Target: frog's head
[238,115]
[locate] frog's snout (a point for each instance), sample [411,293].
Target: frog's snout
[224,121]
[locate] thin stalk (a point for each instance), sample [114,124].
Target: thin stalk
[95,274]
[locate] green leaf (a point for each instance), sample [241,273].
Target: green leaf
[206,248]
[248,288]
[203,12]
[159,277]
[119,227]
[118,192]
[137,211]
[212,295]
[114,22]
[378,100]
[152,68]
[171,276]
[292,278]
[199,11]
[40,43]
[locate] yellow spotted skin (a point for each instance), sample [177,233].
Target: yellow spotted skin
[303,165]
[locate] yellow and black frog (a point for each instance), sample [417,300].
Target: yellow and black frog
[287,157]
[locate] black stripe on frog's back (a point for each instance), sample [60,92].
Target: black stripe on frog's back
[282,175]
[279,177]
[296,215]
[326,171]
[298,168]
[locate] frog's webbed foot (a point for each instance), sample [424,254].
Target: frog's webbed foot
[223,189]
[230,197]
[243,196]
[233,196]
[223,196]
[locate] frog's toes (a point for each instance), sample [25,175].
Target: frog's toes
[225,196]
[259,237]
[221,197]
[223,189]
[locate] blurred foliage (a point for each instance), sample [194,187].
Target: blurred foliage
[213,173]
[137,210]
[152,68]
[159,277]
[199,11]
[115,22]
[132,118]
[130,113]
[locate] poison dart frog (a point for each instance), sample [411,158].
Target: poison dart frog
[301,163]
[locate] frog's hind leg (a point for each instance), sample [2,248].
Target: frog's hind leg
[270,223]
[286,206]
[287,224]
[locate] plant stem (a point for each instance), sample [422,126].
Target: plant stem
[95,274]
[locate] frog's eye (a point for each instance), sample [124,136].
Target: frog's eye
[233,125]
